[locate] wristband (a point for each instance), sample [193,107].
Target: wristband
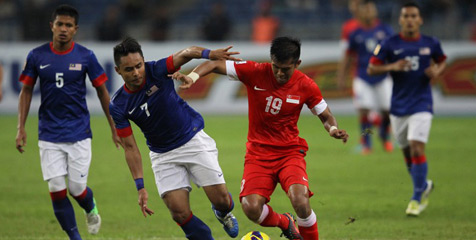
[194,76]
[139,183]
[206,53]
[332,128]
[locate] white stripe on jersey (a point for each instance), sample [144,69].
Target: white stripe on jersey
[231,71]
[319,108]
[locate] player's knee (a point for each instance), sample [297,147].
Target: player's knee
[252,209]
[180,216]
[75,188]
[57,184]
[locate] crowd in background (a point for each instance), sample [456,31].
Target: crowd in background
[221,20]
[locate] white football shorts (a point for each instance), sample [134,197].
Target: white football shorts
[196,160]
[415,127]
[71,159]
[375,97]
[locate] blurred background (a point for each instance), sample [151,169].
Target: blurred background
[178,20]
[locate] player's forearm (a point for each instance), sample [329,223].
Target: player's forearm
[378,69]
[183,56]
[24,102]
[440,67]
[343,68]
[134,161]
[104,99]
[211,67]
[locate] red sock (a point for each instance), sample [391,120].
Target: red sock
[274,219]
[309,233]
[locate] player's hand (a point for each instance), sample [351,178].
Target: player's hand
[21,140]
[339,134]
[116,139]
[143,197]
[223,54]
[401,65]
[187,82]
[432,71]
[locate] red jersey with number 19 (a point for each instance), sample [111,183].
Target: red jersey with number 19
[274,109]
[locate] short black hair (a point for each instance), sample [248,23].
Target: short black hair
[285,48]
[411,4]
[128,45]
[66,10]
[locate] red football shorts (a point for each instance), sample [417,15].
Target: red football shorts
[260,177]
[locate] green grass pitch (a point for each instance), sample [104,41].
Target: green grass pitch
[374,190]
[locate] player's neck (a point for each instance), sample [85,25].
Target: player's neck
[62,47]
[410,35]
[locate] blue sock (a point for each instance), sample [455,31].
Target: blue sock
[64,212]
[419,172]
[384,129]
[195,229]
[85,200]
[223,214]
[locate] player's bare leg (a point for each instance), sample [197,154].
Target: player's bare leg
[306,218]
[255,208]
[222,205]
[177,201]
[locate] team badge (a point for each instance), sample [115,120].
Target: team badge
[151,90]
[293,99]
[75,66]
[425,51]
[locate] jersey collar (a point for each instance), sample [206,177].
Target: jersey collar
[135,91]
[61,53]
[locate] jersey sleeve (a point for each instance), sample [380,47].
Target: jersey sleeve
[352,45]
[380,53]
[29,73]
[314,95]
[241,71]
[437,52]
[164,66]
[123,127]
[95,71]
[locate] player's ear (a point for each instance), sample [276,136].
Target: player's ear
[51,26]
[117,69]
[298,63]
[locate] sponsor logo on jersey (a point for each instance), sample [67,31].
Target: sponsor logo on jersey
[259,89]
[293,99]
[152,90]
[44,66]
[131,111]
[425,51]
[397,52]
[75,66]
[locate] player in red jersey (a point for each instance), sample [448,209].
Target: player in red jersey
[275,153]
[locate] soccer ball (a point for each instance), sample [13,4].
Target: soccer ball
[255,235]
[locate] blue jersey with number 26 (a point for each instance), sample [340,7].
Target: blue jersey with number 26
[411,88]
[63,114]
[166,120]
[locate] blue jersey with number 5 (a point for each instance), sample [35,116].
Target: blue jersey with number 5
[411,88]
[166,120]
[63,114]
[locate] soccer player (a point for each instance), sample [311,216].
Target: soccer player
[275,153]
[413,60]
[64,128]
[180,150]
[370,92]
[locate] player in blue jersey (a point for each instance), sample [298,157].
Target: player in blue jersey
[413,60]
[64,130]
[180,150]
[370,92]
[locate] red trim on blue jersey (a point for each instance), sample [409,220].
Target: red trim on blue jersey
[58,196]
[440,59]
[100,80]
[27,80]
[408,39]
[170,64]
[140,88]
[124,132]
[376,61]
[61,53]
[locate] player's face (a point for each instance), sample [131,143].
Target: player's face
[132,70]
[63,28]
[283,71]
[410,20]
[367,13]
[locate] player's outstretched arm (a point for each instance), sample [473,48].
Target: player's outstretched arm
[103,96]
[183,56]
[24,102]
[330,124]
[203,69]
[134,161]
